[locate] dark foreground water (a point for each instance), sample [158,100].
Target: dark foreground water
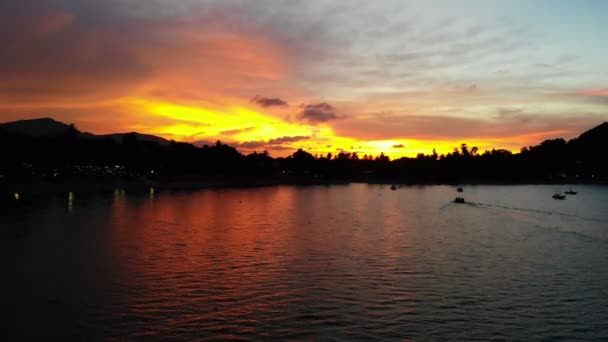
[309,263]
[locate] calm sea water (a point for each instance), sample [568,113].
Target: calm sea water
[356,262]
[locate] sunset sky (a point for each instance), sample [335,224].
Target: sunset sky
[399,77]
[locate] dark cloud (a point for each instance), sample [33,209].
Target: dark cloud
[517,115]
[237,130]
[269,102]
[504,112]
[251,145]
[317,113]
[398,146]
[275,144]
[287,140]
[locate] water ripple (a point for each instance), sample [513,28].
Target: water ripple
[311,263]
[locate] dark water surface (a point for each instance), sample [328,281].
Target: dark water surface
[345,263]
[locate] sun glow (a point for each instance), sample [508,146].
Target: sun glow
[233,124]
[249,129]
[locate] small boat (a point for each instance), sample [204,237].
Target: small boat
[559,197]
[570,192]
[459,200]
[393,187]
[459,189]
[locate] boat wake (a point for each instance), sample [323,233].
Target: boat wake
[546,212]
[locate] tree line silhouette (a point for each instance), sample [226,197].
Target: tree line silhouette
[72,155]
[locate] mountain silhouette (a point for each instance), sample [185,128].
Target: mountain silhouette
[119,137]
[46,149]
[597,136]
[48,127]
[43,127]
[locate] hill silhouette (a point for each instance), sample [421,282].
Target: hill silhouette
[43,127]
[594,139]
[118,137]
[48,127]
[51,151]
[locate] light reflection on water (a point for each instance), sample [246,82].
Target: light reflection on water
[70,202]
[339,262]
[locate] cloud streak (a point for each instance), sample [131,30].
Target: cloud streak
[317,113]
[267,102]
[594,92]
[237,131]
[457,128]
[277,144]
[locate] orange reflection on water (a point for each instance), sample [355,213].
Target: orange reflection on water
[209,243]
[238,257]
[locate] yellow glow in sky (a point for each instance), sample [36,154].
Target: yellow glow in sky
[240,126]
[230,124]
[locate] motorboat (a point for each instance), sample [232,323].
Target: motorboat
[459,189]
[459,200]
[393,187]
[559,197]
[570,192]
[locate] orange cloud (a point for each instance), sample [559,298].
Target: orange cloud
[594,92]
[177,59]
[51,22]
